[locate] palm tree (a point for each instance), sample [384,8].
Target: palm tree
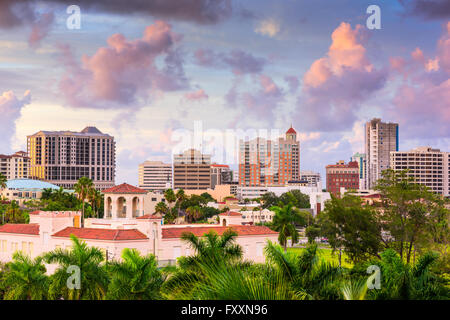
[47,193]
[95,200]
[82,188]
[284,220]
[13,211]
[3,181]
[223,281]
[209,250]
[399,280]
[306,272]
[135,278]
[25,279]
[93,277]
[212,246]
[169,195]
[354,290]
[161,208]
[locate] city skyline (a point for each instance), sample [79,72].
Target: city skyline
[256,65]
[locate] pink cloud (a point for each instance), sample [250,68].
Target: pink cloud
[421,103]
[40,29]
[124,72]
[196,95]
[335,85]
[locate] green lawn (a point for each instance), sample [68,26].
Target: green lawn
[328,256]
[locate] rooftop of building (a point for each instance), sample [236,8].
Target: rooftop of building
[342,164]
[20,228]
[231,214]
[291,131]
[125,188]
[29,184]
[423,149]
[101,234]
[88,131]
[200,231]
[18,154]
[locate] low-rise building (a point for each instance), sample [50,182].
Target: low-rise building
[22,190]
[342,175]
[48,231]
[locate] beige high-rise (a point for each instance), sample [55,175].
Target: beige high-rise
[381,138]
[62,157]
[15,166]
[155,175]
[191,170]
[428,166]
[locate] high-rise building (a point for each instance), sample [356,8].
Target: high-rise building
[342,175]
[155,176]
[289,157]
[62,157]
[265,162]
[313,178]
[361,159]
[191,170]
[220,174]
[380,139]
[15,166]
[428,166]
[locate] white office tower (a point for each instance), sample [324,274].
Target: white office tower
[428,166]
[155,176]
[381,138]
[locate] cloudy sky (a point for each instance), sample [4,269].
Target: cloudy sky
[148,72]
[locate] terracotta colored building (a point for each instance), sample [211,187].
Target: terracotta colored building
[342,175]
[265,162]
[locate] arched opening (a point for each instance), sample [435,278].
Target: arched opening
[224,222]
[108,204]
[135,206]
[121,207]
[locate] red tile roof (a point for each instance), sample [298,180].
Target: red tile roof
[101,234]
[200,231]
[35,212]
[31,228]
[231,213]
[149,216]
[291,130]
[124,188]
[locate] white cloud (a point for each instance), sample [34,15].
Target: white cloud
[268,27]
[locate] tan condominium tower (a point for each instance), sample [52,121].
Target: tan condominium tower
[62,157]
[15,166]
[155,176]
[428,166]
[380,139]
[191,170]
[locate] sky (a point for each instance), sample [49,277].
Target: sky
[161,75]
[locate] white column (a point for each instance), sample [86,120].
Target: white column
[114,206]
[141,205]
[129,214]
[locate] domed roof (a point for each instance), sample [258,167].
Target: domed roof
[29,184]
